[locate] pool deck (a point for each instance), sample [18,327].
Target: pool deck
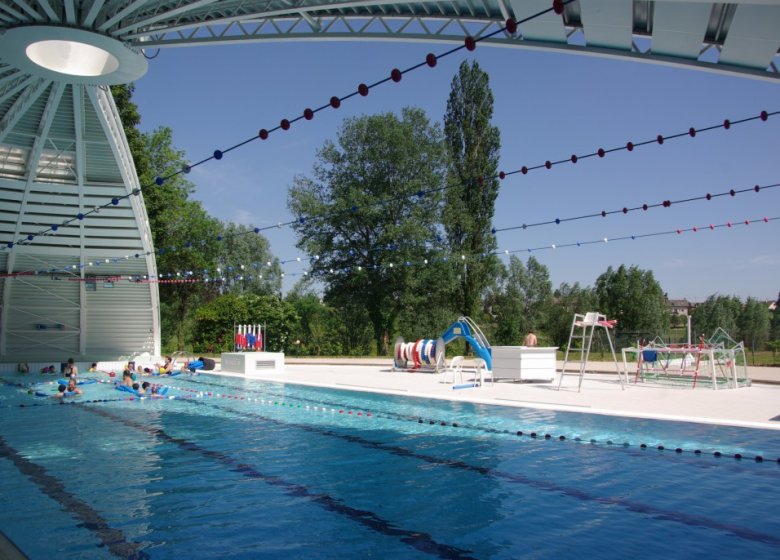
[757,406]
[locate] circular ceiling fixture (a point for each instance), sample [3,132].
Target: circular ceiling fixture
[72,55]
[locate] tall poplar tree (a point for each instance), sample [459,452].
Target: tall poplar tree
[473,145]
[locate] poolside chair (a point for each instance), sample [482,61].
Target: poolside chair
[481,370]
[455,368]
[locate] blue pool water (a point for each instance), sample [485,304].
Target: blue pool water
[247,469]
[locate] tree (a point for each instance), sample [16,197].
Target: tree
[472,184]
[131,118]
[216,320]
[567,300]
[185,237]
[245,259]
[715,312]
[635,299]
[369,216]
[753,324]
[523,297]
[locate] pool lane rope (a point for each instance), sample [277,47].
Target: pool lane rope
[356,412]
[520,433]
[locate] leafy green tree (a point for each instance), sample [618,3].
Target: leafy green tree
[523,298]
[185,237]
[372,207]
[244,262]
[216,321]
[754,324]
[318,332]
[131,118]
[567,300]
[716,311]
[635,299]
[473,145]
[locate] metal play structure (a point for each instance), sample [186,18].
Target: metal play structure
[427,354]
[719,361]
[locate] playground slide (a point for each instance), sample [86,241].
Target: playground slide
[465,328]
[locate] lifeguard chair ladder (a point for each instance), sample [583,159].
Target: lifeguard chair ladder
[583,328]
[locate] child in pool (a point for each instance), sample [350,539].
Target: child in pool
[72,387]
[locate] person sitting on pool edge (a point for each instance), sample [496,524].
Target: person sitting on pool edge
[93,367]
[22,367]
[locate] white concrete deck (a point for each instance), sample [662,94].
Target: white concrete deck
[753,407]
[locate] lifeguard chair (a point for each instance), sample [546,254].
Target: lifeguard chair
[583,328]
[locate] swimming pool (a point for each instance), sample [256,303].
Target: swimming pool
[250,469]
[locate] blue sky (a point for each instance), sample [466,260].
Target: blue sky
[548,106]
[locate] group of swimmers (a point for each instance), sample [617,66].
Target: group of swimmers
[139,389]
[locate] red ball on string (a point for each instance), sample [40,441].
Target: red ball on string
[470,43]
[501,175]
[692,132]
[747,222]
[558,6]
[511,26]
[335,102]
[430,60]
[732,192]
[756,188]
[396,75]
[548,164]
[363,89]
[630,146]
[524,170]
[728,224]
[285,124]
[659,139]
[708,197]
[766,220]
[726,124]
[695,229]
[308,114]
[678,232]
[667,203]
[625,210]
[644,207]
[574,158]
[601,152]
[263,134]
[712,226]
[764,115]
[603,213]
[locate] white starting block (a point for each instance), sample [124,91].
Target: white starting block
[253,363]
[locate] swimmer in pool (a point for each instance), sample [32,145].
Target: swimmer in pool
[73,388]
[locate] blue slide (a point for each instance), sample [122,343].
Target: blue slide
[465,328]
